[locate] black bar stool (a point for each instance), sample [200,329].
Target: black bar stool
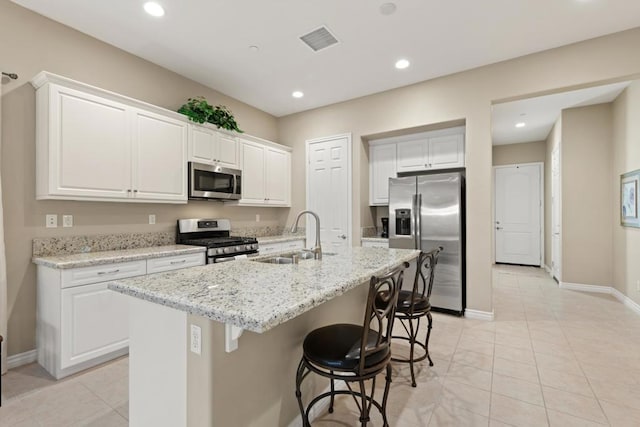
[414,305]
[336,351]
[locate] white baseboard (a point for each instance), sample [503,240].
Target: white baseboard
[625,300]
[478,315]
[22,359]
[547,269]
[585,288]
[603,290]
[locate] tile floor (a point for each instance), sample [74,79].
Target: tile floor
[551,357]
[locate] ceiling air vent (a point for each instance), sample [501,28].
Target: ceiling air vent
[319,39]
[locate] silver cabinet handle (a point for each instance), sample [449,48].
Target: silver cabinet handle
[182,261]
[102,273]
[135,191]
[128,190]
[342,236]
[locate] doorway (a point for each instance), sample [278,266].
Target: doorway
[519,214]
[329,190]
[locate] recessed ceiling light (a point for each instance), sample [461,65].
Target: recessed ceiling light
[153,9]
[297,94]
[387,8]
[521,125]
[402,64]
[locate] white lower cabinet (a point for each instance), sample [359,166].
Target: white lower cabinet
[269,248]
[80,322]
[374,244]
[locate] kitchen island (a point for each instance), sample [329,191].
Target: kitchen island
[172,385]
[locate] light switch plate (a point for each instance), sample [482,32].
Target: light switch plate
[152,219]
[67,220]
[51,221]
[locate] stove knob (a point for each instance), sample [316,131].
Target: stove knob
[248,247]
[220,250]
[254,246]
[227,250]
[239,248]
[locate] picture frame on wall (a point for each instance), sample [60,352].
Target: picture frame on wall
[629,212]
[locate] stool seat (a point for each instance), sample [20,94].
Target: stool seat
[406,299]
[338,347]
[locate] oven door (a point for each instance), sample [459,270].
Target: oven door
[214,182]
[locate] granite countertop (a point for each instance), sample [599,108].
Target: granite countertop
[280,239]
[258,296]
[374,239]
[109,257]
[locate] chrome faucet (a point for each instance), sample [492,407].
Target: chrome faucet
[317,249]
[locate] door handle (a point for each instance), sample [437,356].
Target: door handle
[342,236]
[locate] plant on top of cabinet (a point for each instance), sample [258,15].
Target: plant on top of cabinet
[200,111]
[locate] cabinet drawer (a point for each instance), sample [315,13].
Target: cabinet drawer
[369,244]
[102,273]
[157,265]
[296,244]
[268,248]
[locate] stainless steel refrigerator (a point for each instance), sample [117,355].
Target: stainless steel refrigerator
[427,211]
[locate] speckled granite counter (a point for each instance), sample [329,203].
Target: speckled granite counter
[280,239]
[109,257]
[258,296]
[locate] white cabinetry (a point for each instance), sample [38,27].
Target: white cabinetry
[375,244]
[93,144]
[213,147]
[427,151]
[382,160]
[266,174]
[80,322]
[268,248]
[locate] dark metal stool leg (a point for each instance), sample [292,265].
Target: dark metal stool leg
[412,343]
[299,378]
[426,344]
[364,410]
[387,386]
[333,394]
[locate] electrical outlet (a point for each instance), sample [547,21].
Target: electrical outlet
[51,220]
[67,220]
[257,217]
[196,339]
[152,219]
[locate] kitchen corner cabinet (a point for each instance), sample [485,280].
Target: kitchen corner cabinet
[427,151]
[266,174]
[213,147]
[80,322]
[92,144]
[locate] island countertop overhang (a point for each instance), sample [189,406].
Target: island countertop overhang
[257,296]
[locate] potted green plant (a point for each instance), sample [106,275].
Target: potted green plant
[200,111]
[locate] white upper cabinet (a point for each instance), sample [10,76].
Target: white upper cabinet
[382,160]
[160,161]
[93,144]
[213,147]
[427,151]
[266,174]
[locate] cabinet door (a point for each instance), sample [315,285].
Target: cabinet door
[157,265]
[382,166]
[160,158]
[293,246]
[278,177]
[446,151]
[90,145]
[412,155]
[227,151]
[202,145]
[95,322]
[253,173]
[269,248]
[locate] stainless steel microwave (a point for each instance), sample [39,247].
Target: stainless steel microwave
[210,182]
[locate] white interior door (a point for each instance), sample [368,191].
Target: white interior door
[329,190]
[556,232]
[518,226]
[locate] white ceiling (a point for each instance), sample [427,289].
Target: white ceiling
[540,113]
[208,40]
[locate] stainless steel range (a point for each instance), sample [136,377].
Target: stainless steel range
[215,235]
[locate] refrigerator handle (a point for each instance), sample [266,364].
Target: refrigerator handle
[418,214]
[414,203]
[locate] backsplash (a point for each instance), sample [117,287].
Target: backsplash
[369,232]
[111,242]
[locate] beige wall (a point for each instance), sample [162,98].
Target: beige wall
[511,154]
[469,96]
[32,43]
[586,195]
[553,140]
[626,158]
